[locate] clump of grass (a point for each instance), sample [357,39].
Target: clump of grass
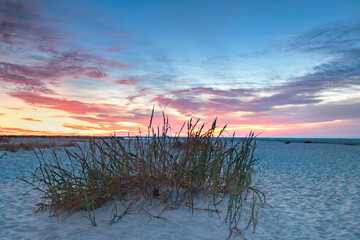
[154,168]
[14,147]
[4,139]
[28,146]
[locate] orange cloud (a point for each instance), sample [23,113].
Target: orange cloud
[21,131]
[81,127]
[31,119]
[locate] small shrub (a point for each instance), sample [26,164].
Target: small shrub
[155,168]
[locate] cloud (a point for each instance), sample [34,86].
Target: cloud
[20,24]
[339,40]
[69,106]
[335,37]
[11,6]
[65,65]
[212,91]
[97,60]
[15,108]
[129,82]
[81,127]
[185,106]
[99,116]
[21,131]
[9,76]
[293,96]
[312,113]
[99,119]
[68,64]
[348,128]
[52,57]
[208,101]
[212,106]
[52,54]
[108,119]
[110,123]
[31,119]
[140,93]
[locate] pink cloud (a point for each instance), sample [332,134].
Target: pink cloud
[64,65]
[185,106]
[22,131]
[96,60]
[28,83]
[110,119]
[47,49]
[129,82]
[69,106]
[55,69]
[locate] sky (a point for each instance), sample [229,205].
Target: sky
[279,68]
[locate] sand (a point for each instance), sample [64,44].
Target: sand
[313,192]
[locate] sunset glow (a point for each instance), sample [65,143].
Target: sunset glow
[282,69]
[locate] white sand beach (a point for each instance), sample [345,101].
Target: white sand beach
[312,190]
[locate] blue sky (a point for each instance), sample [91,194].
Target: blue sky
[282,68]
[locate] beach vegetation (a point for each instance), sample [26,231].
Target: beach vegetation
[4,139]
[172,170]
[29,146]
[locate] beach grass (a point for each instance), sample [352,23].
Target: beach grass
[4,139]
[28,146]
[158,168]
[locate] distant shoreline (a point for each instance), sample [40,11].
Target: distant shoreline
[345,141]
[285,140]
